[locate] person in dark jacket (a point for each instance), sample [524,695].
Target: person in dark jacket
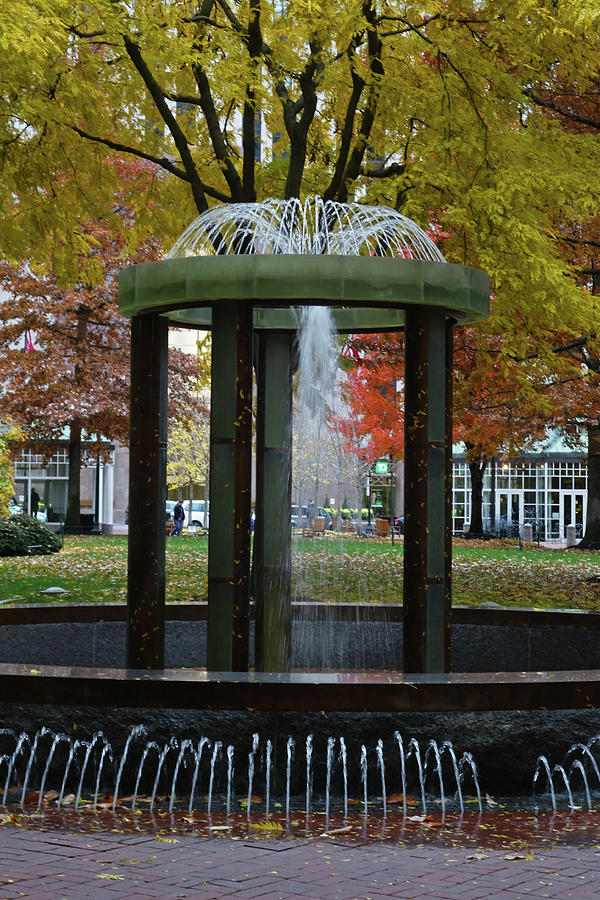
[178,518]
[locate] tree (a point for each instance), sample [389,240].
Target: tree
[437,108]
[501,407]
[188,452]
[7,472]
[431,106]
[188,446]
[64,361]
[373,391]
[575,107]
[502,404]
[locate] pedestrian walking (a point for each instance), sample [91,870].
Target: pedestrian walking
[178,518]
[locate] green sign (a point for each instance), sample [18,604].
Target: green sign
[381,467]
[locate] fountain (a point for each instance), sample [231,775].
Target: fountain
[243,270]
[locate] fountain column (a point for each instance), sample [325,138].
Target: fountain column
[230,480]
[272,536]
[428,446]
[147,492]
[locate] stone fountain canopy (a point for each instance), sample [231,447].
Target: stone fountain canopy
[394,264]
[243,270]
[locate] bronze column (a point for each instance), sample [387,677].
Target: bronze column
[147,493]
[427,550]
[230,482]
[273,535]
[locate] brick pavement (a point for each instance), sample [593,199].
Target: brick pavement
[71,863]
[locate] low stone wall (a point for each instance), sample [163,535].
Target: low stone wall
[349,638]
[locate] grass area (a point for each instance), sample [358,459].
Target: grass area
[93,569]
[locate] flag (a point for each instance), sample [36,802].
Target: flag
[28,342]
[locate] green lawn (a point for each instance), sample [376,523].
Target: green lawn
[93,569]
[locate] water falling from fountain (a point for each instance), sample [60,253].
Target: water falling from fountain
[364,776]
[186,746]
[72,751]
[344,759]
[198,759]
[251,756]
[216,752]
[381,764]
[288,773]
[40,734]
[577,766]
[172,745]
[143,759]
[138,731]
[230,771]
[106,751]
[151,745]
[23,739]
[268,753]
[543,765]
[330,746]
[309,747]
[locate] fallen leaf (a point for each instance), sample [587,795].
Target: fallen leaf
[334,831]
[266,826]
[110,877]
[421,818]
[166,840]
[518,856]
[402,798]
[478,856]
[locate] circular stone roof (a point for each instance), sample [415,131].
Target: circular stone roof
[368,263]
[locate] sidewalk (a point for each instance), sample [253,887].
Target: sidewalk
[71,860]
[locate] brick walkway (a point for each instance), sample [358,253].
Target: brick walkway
[49,862]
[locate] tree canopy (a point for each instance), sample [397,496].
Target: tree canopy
[437,108]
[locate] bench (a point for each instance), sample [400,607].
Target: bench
[382,528]
[318,527]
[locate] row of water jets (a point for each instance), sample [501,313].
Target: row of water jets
[579,766]
[95,761]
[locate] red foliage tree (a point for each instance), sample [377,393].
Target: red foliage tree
[501,404]
[374,368]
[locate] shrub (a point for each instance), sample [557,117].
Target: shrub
[20,535]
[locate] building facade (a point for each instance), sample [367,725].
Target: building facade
[547,490]
[103,486]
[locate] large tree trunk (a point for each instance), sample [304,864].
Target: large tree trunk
[477,469]
[72,518]
[591,539]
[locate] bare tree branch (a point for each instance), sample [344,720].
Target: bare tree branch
[158,96]
[163,161]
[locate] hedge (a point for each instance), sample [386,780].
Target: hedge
[21,535]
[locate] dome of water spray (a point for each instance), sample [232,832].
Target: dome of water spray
[315,226]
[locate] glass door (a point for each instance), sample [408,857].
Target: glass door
[510,505]
[572,512]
